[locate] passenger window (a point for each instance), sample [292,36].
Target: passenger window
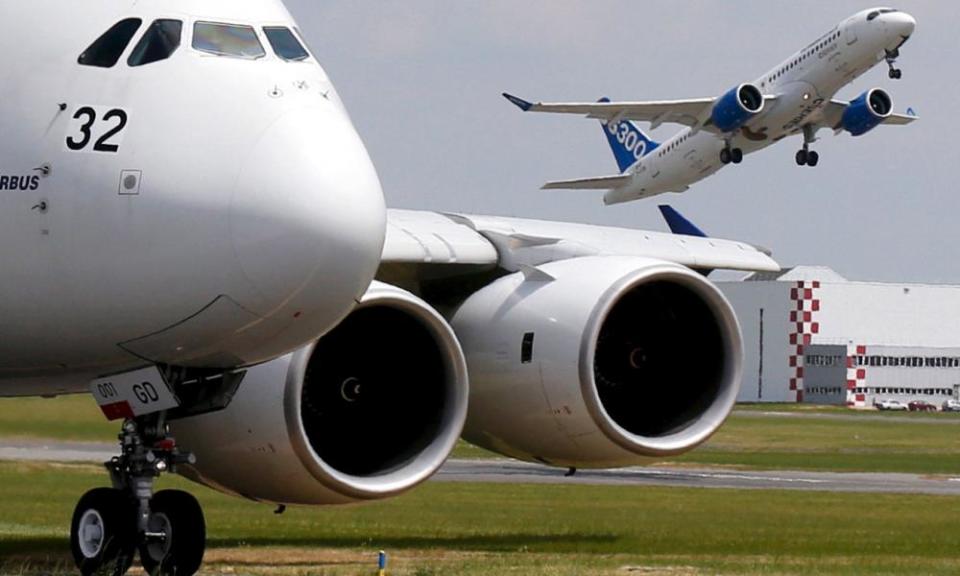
[107,49]
[285,44]
[227,40]
[159,43]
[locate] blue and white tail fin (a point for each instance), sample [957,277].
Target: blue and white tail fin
[629,143]
[678,223]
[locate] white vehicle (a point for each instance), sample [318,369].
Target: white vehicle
[795,97]
[892,405]
[951,405]
[192,231]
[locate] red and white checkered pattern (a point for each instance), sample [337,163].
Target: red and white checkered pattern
[803,323]
[856,375]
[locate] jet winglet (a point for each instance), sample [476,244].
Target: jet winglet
[678,223]
[518,102]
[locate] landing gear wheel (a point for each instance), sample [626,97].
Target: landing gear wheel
[736,155]
[176,535]
[812,158]
[103,532]
[726,156]
[896,74]
[802,157]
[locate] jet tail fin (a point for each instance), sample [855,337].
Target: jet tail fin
[628,142]
[679,224]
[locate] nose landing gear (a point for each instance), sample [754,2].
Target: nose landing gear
[891,57]
[111,524]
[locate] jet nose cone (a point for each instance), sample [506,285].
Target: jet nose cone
[307,220]
[901,22]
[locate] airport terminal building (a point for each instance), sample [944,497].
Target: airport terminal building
[812,336]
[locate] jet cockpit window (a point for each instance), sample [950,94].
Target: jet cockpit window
[285,44]
[227,40]
[159,43]
[873,15]
[107,49]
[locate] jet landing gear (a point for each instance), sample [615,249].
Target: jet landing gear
[806,156]
[895,73]
[110,525]
[728,155]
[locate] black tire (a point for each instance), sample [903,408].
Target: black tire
[812,158]
[801,157]
[179,515]
[736,155]
[725,156]
[114,515]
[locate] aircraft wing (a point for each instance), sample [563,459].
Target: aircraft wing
[691,112]
[833,116]
[439,245]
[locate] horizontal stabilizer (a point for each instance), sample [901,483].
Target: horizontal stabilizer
[601,183]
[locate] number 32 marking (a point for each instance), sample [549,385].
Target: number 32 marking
[88,117]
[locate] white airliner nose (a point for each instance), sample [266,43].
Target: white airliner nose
[901,23]
[307,220]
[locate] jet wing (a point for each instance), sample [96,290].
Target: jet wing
[693,112]
[434,245]
[833,116]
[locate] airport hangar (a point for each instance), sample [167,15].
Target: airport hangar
[812,336]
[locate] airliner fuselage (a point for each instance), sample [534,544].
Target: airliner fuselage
[213,207]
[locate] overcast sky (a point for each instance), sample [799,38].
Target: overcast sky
[422,80]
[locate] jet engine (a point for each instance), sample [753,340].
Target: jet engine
[599,361]
[368,411]
[866,112]
[736,107]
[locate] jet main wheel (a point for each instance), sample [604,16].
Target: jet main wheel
[726,156]
[736,155]
[802,157]
[176,535]
[103,532]
[896,74]
[812,158]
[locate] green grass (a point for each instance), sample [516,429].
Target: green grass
[74,417]
[445,528]
[915,444]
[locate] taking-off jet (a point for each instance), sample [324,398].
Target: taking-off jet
[192,232]
[795,97]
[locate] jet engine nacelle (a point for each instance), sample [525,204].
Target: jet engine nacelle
[866,112]
[370,410]
[599,361]
[736,107]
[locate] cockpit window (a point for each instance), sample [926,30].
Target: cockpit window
[159,43]
[107,49]
[227,40]
[285,44]
[876,13]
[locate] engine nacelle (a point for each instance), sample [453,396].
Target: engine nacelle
[736,107]
[368,411]
[866,112]
[611,361]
